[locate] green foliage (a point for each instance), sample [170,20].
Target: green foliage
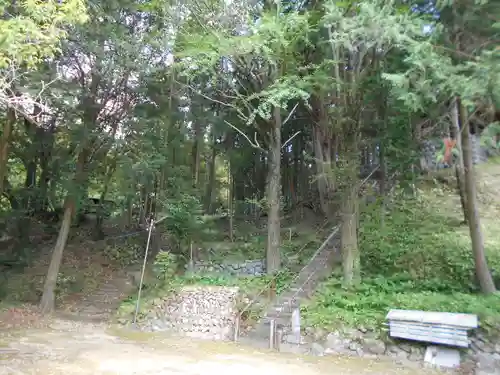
[165,266]
[184,216]
[34,28]
[417,259]
[143,94]
[489,138]
[161,284]
[125,252]
[250,285]
[368,304]
[419,242]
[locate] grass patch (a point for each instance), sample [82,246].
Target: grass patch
[250,285]
[419,258]
[367,305]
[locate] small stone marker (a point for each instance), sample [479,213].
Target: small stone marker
[296,325]
[442,357]
[272,334]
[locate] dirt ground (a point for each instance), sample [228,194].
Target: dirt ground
[67,347]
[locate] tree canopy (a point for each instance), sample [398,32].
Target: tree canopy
[254,109]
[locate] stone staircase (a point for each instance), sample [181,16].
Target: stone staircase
[302,288]
[101,305]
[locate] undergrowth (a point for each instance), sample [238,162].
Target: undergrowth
[418,257]
[296,248]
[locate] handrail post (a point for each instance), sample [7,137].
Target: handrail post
[278,338]
[296,323]
[237,327]
[272,333]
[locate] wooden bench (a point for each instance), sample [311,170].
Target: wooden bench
[433,327]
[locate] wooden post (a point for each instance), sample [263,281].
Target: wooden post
[272,333]
[296,324]
[191,260]
[278,338]
[272,290]
[237,327]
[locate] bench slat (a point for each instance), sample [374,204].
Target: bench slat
[468,321]
[433,334]
[426,327]
[453,340]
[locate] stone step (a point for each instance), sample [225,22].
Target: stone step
[283,307]
[304,285]
[280,321]
[259,332]
[101,305]
[254,341]
[283,312]
[107,293]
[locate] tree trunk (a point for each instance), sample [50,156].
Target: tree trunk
[297,161]
[285,185]
[209,198]
[9,193]
[230,200]
[322,140]
[130,212]
[482,271]
[349,237]
[196,155]
[273,261]
[45,157]
[47,303]
[261,172]
[383,181]
[144,205]
[98,232]
[4,144]
[320,171]
[459,166]
[29,192]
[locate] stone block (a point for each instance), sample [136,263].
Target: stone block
[442,357]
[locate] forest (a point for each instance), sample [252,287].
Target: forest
[260,125]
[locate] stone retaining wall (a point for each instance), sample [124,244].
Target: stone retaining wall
[482,358]
[244,268]
[207,312]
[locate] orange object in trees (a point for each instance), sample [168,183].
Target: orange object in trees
[448,146]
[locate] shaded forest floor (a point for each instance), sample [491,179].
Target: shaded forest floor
[81,348]
[90,270]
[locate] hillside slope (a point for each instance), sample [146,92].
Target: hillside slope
[418,257]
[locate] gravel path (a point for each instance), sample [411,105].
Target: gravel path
[68,347]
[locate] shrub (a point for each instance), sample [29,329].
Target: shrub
[368,304]
[419,258]
[417,243]
[124,253]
